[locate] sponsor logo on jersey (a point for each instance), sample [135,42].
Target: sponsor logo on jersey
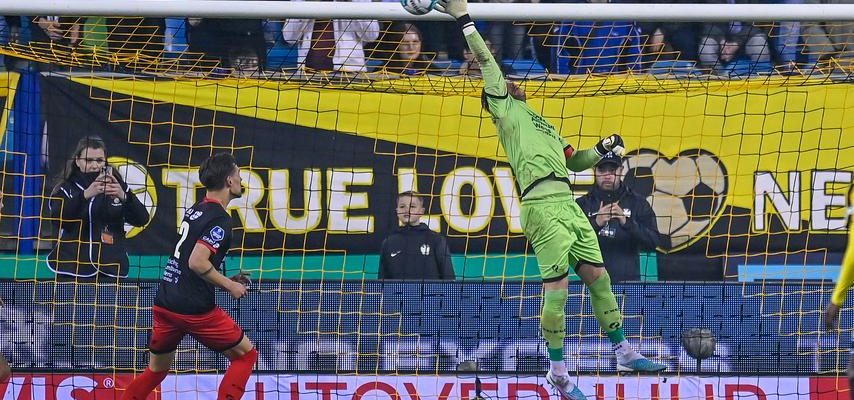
[425,249]
[217,233]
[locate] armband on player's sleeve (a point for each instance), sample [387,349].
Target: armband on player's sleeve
[568,151]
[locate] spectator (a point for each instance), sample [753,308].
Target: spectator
[56,30]
[603,47]
[136,35]
[670,40]
[624,220]
[784,36]
[215,39]
[441,38]
[10,28]
[331,45]
[507,37]
[244,63]
[722,43]
[91,206]
[826,40]
[408,59]
[413,251]
[470,66]
[50,31]
[543,38]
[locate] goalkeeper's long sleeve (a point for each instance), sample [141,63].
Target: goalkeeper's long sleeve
[582,160]
[493,79]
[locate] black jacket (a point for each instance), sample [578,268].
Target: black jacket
[621,244]
[415,252]
[91,232]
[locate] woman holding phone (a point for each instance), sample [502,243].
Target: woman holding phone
[91,205]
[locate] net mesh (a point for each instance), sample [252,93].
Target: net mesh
[738,142]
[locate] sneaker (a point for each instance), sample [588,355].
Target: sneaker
[640,364]
[565,387]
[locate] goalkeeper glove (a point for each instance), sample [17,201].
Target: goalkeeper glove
[454,8]
[613,143]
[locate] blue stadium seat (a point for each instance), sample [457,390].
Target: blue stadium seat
[454,68]
[374,64]
[674,68]
[525,67]
[441,64]
[744,68]
[282,56]
[176,36]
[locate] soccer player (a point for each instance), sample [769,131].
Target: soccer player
[5,370]
[185,300]
[552,221]
[840,292]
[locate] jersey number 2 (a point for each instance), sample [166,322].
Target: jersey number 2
[184,230]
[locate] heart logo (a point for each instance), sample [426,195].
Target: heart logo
[686,192]
[141,185]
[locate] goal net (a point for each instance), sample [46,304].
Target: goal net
[739,148]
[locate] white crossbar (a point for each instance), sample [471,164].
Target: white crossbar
[392,10]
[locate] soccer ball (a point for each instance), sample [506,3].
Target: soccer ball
[687,193]
[418,7]
[141,185]
[699,343]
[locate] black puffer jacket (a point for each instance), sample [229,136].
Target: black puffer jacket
[417,253]
[91,232]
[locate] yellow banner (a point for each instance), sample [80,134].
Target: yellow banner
[775,148]
[8,85]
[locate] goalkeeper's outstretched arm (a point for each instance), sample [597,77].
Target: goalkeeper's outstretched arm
[582,160]
[846,275]
[493,80]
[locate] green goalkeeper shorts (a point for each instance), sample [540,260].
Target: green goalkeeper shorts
[561,235]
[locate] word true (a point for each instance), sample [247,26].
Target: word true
[468,198]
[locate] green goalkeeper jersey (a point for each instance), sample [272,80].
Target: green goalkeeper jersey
[534,148]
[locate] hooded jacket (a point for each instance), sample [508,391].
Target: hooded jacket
[91,232]
[415,253]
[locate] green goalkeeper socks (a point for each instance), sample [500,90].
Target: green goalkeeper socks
[553,321]
[606,309]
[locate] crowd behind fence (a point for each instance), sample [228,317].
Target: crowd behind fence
[245,47]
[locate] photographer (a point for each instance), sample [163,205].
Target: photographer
[623,220]
[90,205]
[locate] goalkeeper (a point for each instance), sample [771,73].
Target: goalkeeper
[840,292]
[554,224]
